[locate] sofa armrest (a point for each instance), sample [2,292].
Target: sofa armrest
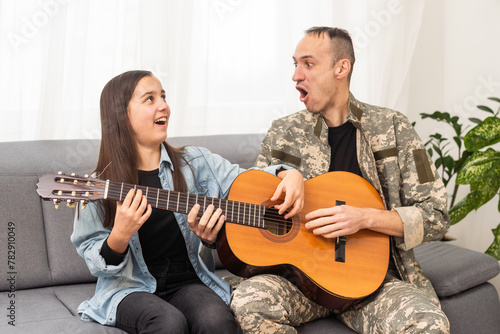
[453,269]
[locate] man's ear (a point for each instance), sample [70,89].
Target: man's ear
[342,68]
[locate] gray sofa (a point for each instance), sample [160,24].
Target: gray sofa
[43,280]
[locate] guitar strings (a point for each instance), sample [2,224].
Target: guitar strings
[271,217]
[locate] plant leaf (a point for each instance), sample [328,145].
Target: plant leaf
[475,120]
[438,137]
[484,134]
[494,249]
[496,99]
[458,141]
[460,162]
[462,208]
[488,188]
[438,116]
[487,109]
[481,193]
[437,163]
[437,149]
[478,166]
[449,162]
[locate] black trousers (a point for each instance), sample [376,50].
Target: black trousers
[187,306]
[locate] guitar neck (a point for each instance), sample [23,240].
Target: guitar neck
[235,212]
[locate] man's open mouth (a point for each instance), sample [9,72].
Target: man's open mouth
[303,93]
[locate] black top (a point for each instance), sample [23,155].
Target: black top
[342,140]
[160,236]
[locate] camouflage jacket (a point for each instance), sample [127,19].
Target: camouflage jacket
[391,157]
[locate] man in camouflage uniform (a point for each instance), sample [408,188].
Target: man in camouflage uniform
[384,149]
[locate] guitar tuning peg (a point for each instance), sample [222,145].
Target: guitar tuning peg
[70,203]
[84,204]
[59,172]
[56,204]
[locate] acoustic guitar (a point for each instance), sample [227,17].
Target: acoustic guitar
[332,272]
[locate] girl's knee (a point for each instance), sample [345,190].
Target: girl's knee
[157,318]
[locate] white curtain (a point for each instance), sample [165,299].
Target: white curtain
[225,65]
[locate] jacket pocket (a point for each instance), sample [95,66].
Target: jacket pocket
[424,170]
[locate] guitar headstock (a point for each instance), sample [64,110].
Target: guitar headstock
[70,188]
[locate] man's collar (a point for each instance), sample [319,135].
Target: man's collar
[353,107]
[354,116]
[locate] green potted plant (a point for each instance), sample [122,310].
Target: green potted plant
[477,164]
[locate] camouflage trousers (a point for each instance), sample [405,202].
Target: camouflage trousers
[271,304]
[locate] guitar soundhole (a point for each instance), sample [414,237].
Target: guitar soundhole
[279,229]
[277,224]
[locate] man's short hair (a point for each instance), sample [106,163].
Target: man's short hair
[341,43]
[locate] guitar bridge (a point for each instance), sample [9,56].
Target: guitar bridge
[340,249]
[340,242]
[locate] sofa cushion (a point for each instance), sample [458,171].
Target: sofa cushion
[73,295]
[66,266]
[454,269]
[40,311]
[479,302]
[52,310]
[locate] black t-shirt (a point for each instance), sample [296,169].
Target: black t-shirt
[342,140]
[160,236]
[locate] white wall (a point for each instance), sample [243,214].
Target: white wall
[455,67]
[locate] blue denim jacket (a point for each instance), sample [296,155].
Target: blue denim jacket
[214,176]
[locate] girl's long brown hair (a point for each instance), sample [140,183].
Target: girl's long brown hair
[118,157]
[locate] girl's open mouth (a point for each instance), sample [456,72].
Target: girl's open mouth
[161,121]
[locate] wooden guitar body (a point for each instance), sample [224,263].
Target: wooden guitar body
[309,261]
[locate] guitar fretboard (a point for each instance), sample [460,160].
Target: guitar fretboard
[235,212]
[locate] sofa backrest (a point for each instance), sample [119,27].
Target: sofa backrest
[44,254]
[239,149]
[35,238]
